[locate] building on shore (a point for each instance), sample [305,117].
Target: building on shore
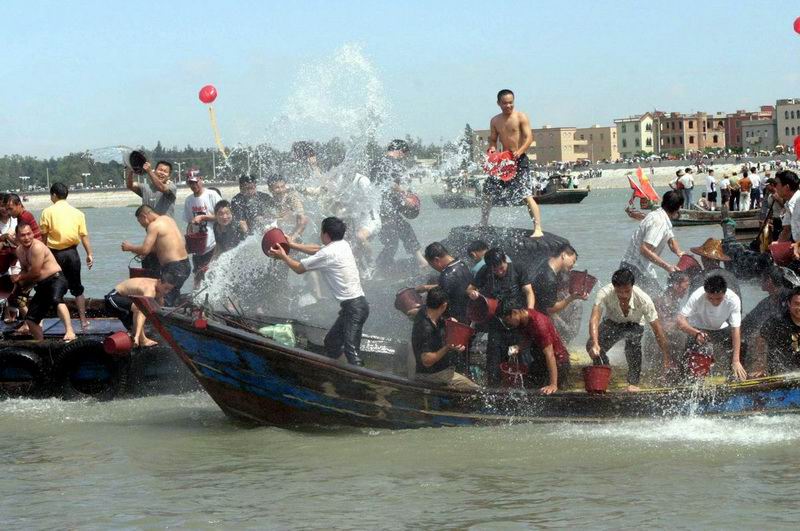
[759,134]
[635,134]
[734,137]
[689,133]
[558,144]
[601,142]
[787,116]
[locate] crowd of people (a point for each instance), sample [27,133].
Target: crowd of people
[699,310]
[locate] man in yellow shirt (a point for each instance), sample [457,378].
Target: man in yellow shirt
[63,227]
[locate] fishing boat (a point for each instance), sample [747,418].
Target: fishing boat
[259,381]
[465,193]
[694,217]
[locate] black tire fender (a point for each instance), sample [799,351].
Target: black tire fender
[23,373]
[82,369]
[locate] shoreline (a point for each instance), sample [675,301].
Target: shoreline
[610,180]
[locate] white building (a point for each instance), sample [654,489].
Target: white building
[635,134]
[787,114]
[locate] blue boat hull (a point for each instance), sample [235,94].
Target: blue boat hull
[256,380]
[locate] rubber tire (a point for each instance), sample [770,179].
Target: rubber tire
[30,362]
[87,354]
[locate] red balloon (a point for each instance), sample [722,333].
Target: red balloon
[208,94]
[797,24]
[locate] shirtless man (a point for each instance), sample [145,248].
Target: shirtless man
[514,132]
[39,267]
[145,287]
[166,240]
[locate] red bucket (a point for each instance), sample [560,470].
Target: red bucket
[512,374]
[272,238]
[118,344]
[782,253]
[581,282]
[407,299]
[700,364]
[596,378]
[410,205]
[481,309]
[688,263]
[196,242]
[457,333]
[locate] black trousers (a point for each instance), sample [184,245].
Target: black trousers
[70,262]
[610,333]
[344,337]
[394,229]
[498,341]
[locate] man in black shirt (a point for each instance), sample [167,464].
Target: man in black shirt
[509,284]
[779,341]
[545,283]
[250,207]
[454,278]
[391,177]
[435,360]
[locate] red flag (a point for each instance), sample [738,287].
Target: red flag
[797,147]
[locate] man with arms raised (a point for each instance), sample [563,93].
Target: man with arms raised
[198,213]
[335,261]
[513,130]
[40,268]
[165,239]
[158,191]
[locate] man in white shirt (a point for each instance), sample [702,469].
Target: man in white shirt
[198,213]
[711,189]
[688,185]
[648,242]
[335,262]
[724,190]
[787,185]
[712,316]
[756,190]
[622,307]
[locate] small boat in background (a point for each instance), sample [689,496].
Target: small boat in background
[465,192]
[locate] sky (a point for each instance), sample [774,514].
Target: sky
[81,75]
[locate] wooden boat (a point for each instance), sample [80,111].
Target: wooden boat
[694,217]
[258,381]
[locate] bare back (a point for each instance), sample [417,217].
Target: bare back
[38,256]
[169,244]
[511,130]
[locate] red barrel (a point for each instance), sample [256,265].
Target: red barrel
[512,374]
[782,253]
[700,364]
[581,282]
[481,309]
[457,334]
[407,299]
[688,263]
[196,242]
[596,378]
[272,238]
[118,344]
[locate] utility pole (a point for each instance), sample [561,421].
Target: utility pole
[180,166]
[47,170]
[214,164]
[85,177]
